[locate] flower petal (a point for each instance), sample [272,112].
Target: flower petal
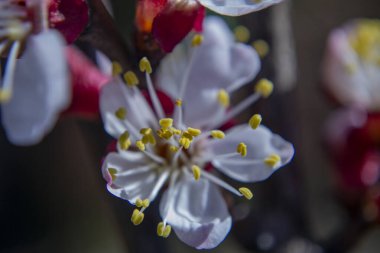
[197,212]
[261,143]
[134,178]
[116,95]
[217,63]
[41,89]
[237,7]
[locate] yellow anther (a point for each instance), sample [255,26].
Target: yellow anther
[124,141]
[137,217]
[184,142]
[255,121]
[261,47]
[178,102]
[187,135]
[5,95]
[272,160]
[194,131]
[145,66]
[146,131]
[242,34]
[196,172]
[246,192]
[197,40]
[165,133]
[173,148]
[112,172]
[149,138]
[242,149]
[166,123]
[140,145]
[130,78]
[138,202]
[145,203]
[16,30]
[217,134]
[163,231]
[365,39]
[176,131]
[264,87]
[223,98]
[121,113]
[116,68]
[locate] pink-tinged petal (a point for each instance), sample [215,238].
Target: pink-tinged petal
[70,17]
[237,7]
[41,90]
[197,212]
[261,143]
[146,11]
[87,81]
[173,23]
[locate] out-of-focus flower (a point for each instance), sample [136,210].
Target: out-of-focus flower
[351,70]
[171,20]
[155,150]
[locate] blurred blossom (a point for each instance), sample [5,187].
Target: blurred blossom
[154,151]
[351,69]
[171,20]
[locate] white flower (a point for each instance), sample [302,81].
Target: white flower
[351,69]
[35,88]
[154,151]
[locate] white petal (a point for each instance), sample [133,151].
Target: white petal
[116,95]
[260,144]
[197,213]
[218,63]
[41,91]
[135,178]
[237,7]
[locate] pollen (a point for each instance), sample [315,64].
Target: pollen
[121,113]
[217,134]
[173,148]
[178,102]
[264,87]
[165,133]
[124,141]
[194,131]
[242,34]
[166,123]
[145,66]
[116,68]
[272,160]
[163,230]
[184,142]
[5,95]
[242,149]
[130,78]
[112,172]
[140,145]
[142,203]
[261,47]
[255,121]
[196,172]
[197,40]
[223,98]
[137,217]
[246,192]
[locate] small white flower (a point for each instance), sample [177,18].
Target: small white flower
[154,151]
[351,69]
[35,87]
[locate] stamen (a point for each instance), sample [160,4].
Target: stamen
[242,34]
[116,69]
[264,87]
[6,89]
[217,134]
[130,78]
[163,230]
[142,203]
[145,66]
[197,40]
[261,47]
[246,192]
[121,113]
[194,132]
[160,182]
[112,172]
[196,172]
[242,149]
[178,113]
[223,98]
[178,102]
[255,121]
[221,183]
[272,160]
[140,145]
[166,123]
[124,141]
[137,217]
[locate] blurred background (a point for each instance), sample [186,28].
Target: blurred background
[53,197]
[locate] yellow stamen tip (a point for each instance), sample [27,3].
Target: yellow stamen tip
[138,202]
[5,95]
[242,149]
[124,141]
[145,66]
[112,172]
[246,192]
[255,121]
[272,160]
[223,98]
[184,142]
[261,47]
[176,131]
[197,40]
[264,87]
[178,102]
[121,113]
[137,217]
[140,145]
[130,78]
[173,149]
[116,68]
[242,34]
[163,231]
[146,131]
[217,134]
[194,131]
[145,203]
[166,123]
[196,172]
